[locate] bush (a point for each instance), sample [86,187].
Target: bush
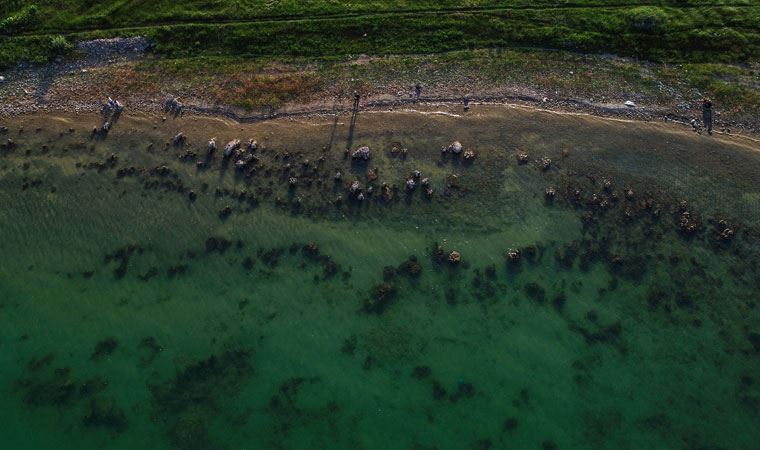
[20,20]
[59,45]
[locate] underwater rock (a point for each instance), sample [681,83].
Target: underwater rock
[464,390]
[179,139]
[232,146]
[411,267]
[546,163]
[455,147]
[725,233]
[437,254]
[381,296]
[454,257]
[104,348]
[361,153]
[355,188]
[513,255]
[311,249]
[225,212]
[439,392]
[550,192]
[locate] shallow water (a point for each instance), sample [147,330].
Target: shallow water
[134,317]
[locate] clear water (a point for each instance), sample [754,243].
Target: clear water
[130,316]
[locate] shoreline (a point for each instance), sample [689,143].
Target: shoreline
[573,107]
[300,89]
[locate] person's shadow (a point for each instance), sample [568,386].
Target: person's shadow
[352,125]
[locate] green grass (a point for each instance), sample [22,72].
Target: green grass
[686,30]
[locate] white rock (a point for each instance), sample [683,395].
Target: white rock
[629,104]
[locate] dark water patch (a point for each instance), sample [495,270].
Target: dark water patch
[217,245]
[57,388]
[510,424]
[176,270]
[150,273]
[463,390]
[270,257]
[150,350]
[104,348]
[122,258]
[549,445]
[535,292]
[104,413]
[349,345]
[438,390]
[380,298]
[291,412]
[483,287]
[185,403]
[754,338]
[657,422]
[36,364]
[603,334]
[421,372]
[559,301]
[565,254]
[369,362]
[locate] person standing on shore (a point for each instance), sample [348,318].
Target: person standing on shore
[707,114]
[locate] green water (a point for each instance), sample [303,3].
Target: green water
[133,317]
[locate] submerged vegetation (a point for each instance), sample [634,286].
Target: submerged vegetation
[302,321]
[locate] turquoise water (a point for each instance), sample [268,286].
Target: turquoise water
[134,317]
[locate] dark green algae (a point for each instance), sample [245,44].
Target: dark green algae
[189,306]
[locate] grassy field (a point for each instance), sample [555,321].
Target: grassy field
[665,30]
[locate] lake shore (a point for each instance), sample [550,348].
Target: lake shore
[251,91]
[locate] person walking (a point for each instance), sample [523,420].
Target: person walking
[707,114]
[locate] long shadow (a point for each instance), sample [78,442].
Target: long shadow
[335,123]
[352,126]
